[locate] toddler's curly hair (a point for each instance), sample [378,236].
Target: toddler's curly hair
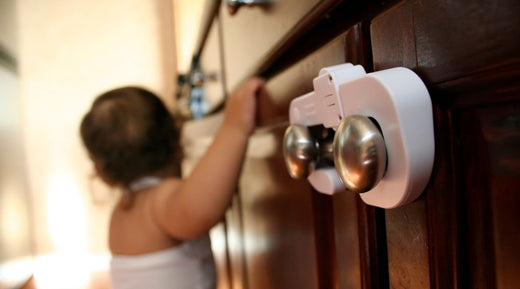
[129,134]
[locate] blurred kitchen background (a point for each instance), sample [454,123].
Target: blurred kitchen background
[55,57]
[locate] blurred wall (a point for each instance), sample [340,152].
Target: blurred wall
[16,239]
[16,247]
[69,52]
[188,16]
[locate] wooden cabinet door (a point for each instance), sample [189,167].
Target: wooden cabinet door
[463,231]
[459,234]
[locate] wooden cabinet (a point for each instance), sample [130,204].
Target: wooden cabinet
[464,230]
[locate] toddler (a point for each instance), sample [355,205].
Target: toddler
[158,232]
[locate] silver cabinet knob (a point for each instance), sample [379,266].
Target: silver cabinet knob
[300,151]
[233,5]
[359,153]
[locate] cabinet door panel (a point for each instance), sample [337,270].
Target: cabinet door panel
[490,154]
[406,233]
[472,37]
[460,37]
[219,246]
[235,241]
[277,218]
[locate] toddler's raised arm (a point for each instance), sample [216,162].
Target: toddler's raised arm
[201,200]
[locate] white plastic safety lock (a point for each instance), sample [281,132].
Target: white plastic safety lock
[383,144]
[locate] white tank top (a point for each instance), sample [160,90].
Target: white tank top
[189,265]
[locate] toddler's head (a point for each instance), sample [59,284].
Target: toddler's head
[129,134]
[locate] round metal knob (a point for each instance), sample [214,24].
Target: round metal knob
[300,151]
[359,153]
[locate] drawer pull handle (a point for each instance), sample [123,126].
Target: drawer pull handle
[233,5]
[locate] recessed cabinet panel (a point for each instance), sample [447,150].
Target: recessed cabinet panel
[277,219]
[491,185]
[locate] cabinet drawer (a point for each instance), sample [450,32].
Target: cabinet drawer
[254,33]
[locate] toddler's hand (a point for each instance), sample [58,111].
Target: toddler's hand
[241,106]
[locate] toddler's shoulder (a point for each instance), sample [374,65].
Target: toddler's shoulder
[165,189]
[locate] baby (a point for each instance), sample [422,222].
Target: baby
[158,232]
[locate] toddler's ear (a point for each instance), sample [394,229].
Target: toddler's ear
[100,169]
[98,166]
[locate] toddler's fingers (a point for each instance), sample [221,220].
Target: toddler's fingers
[253,86]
